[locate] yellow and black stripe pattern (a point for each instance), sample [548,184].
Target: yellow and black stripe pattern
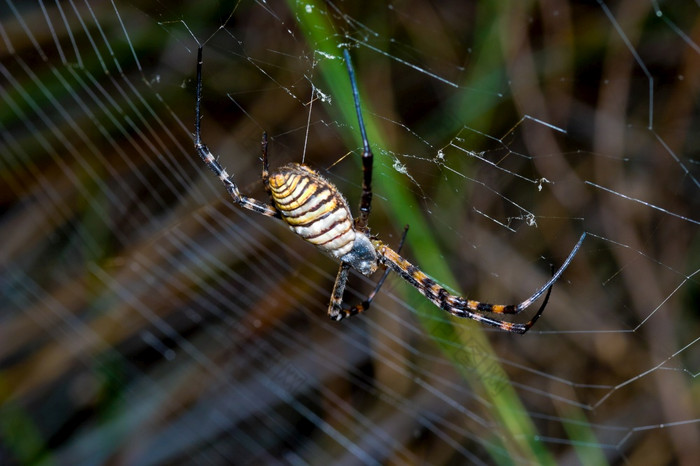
[313,208]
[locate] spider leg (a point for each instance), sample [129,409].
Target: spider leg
[208,158]
[367,156]
[467,308]
[265,165]
[335,309]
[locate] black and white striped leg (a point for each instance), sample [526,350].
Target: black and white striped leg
[208,158]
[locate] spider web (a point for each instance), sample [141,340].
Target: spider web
[146,320]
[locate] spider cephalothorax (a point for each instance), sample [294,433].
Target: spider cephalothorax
[316,211]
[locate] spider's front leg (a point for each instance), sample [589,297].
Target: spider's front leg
[367,156]
[209,159]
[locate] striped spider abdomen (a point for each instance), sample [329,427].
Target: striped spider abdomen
[315,210]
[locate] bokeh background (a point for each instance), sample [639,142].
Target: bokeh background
[146,320]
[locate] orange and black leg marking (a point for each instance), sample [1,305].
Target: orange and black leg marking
[457,305]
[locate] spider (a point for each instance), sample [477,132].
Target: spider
[314,209]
